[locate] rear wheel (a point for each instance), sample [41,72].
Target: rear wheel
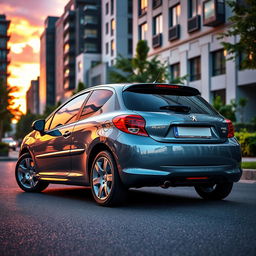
[26,175]
[107,188]
[215,191]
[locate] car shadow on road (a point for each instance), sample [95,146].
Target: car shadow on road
[137,199]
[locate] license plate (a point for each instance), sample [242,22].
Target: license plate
[192,132]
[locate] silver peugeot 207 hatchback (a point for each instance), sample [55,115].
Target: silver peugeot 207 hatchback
[119,136]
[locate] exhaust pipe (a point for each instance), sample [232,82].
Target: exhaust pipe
[166,184]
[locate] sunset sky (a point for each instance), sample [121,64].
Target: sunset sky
[27,23]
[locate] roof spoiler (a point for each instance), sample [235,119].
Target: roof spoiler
[172,89]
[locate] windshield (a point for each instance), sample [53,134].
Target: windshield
[159,102]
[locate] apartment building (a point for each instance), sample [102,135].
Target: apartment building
[32,97]
[116,39]
[47,64]
[4,50]
[184,34]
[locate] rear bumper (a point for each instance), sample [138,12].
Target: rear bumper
[143,161]
[180,176]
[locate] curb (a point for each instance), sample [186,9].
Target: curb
[249,174]
[8,159]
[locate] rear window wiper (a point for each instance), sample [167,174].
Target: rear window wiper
[178,108]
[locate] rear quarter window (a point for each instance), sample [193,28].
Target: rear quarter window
[153,102]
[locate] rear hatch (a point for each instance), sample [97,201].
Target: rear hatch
[176,113]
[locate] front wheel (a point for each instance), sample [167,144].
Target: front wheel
[26,175]
[215,191]
[107,188]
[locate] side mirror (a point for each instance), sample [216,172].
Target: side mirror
[38,125]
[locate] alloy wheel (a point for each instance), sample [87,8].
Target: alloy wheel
[102,178]
[26,173]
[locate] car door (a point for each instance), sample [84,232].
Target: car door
[86,130]
[52,149]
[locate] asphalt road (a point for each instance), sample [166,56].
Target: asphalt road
[65,220]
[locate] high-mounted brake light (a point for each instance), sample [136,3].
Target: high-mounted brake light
[230,129]
[166,86]
[133,124]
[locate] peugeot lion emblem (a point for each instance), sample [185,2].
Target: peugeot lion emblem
[193,118]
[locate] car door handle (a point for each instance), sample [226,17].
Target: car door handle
[66,134]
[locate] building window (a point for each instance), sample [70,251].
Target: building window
[213,12]
[112,47]
[130,26]
[193,8]
[79,66]
[175,71]
[66,48]
[241,58]
[92,33]
[130,6]
[130,46]
[143,6]
[89,19]
[112,7]
[195,69]
[174,15]
[107,48]
[113,26]
[107,8]
[218,63]
[106,27]
[90,47]
[158,24]
[143,31]
[220,93]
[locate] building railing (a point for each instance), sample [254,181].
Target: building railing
[157,40]
[174,32]
[194,23]
[156,3]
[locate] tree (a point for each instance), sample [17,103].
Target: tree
[23,126]
[81,86]
[7,109]
[227,110]
[139,69]
[243,25]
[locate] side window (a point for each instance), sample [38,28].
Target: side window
[97,99]
[67,114]
[47,123]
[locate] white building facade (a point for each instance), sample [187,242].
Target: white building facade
[184,34]
[116,39]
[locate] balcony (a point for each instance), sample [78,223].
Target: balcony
[142,11]
[156,3]
[157,40]
[193,23]
[213,13]
[69,26]
[69,15]
[89,8]
[174,32]
[69,38]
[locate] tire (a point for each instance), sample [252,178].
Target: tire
[107,188]
[214,192]
[26,175]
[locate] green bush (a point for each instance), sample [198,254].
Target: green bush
[4,149]
[250,127]
[248,142]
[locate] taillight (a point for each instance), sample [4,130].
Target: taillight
[230,129]
[133,124]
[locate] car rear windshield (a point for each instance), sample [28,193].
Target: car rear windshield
[166,103]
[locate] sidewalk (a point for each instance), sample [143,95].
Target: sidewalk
[13,156]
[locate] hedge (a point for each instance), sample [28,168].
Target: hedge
[248,143]
[4,149]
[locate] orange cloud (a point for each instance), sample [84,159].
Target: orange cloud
[27,24]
